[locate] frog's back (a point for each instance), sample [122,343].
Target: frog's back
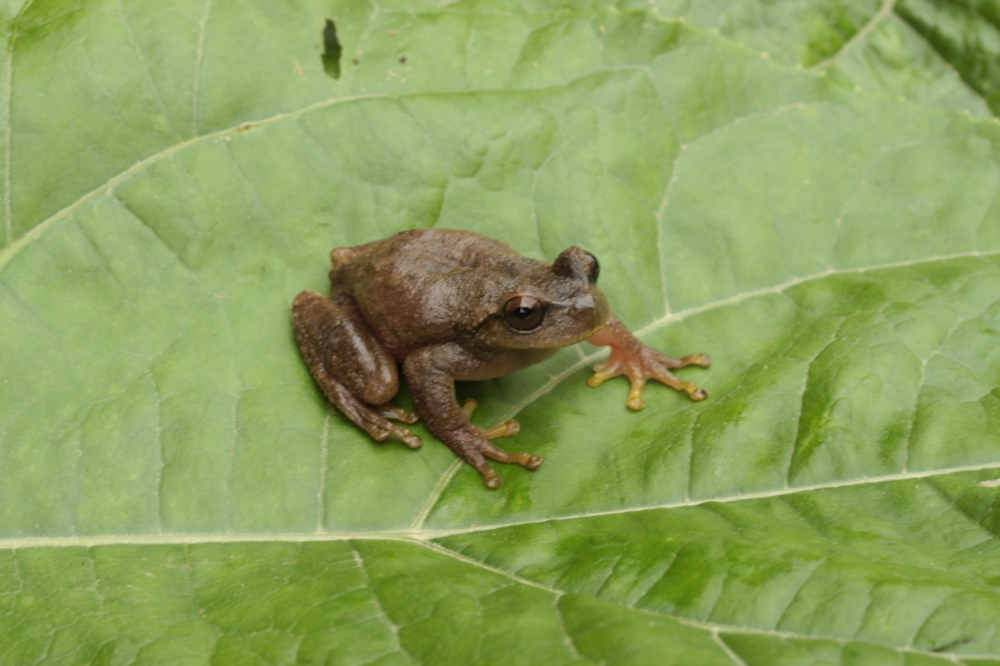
[428,285]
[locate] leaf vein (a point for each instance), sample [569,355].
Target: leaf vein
[884,11]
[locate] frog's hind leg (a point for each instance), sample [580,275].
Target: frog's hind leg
[354,371]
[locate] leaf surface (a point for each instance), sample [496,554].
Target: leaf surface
[175,489]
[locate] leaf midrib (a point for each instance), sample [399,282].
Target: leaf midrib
[423,541]
[425,535]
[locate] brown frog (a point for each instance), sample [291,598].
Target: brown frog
[452,305]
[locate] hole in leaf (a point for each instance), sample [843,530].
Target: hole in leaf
[332,50]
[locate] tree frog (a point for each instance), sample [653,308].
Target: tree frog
[447,305]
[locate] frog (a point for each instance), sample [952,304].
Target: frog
[446,305]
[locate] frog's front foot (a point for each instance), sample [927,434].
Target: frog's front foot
[475,450]
[508,428]
[646,362]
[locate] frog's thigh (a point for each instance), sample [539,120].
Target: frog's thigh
[338,344]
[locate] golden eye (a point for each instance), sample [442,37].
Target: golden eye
[524,313]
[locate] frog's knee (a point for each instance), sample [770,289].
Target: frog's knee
[305,299]
[382,387]
[341,255]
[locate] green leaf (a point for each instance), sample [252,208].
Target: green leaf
[938,53]
[174,488]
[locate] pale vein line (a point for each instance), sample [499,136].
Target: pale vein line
[235,416]
[324,455]
[920,387]
[785,286]
[425,537]
[161,459]
[187,540]
[360,563]
[196,84]
[722,499]
[859,36]
[437,548]
[728,650]
[801,426]
[568,639]
[443,481]
[181,539]
[8,87]
[941,60]
[788,635]
[145,63]
[15,248]
[660,254]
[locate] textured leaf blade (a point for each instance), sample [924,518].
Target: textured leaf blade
[175,489]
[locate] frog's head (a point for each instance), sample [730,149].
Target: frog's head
[550,305]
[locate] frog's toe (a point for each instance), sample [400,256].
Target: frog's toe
[523,458]
[635,401]
[469,406]
[597,380]
[390,411]
[490,477]
[374,423]
[701,360]
[411,440]
[694,391]
[508,428]
[605,371]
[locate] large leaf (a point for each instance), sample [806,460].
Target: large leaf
[174,489]
[940,53]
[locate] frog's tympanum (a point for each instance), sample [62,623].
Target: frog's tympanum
[450,305]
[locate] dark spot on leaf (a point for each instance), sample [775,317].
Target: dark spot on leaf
[332,50]
[402,60]
[355,61]
[243,128]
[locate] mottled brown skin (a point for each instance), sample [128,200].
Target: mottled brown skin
[451,305]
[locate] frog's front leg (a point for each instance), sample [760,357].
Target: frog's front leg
[355,372]
[639,362]
[430,373]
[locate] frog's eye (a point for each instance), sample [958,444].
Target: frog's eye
[523,313]
[593,267]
